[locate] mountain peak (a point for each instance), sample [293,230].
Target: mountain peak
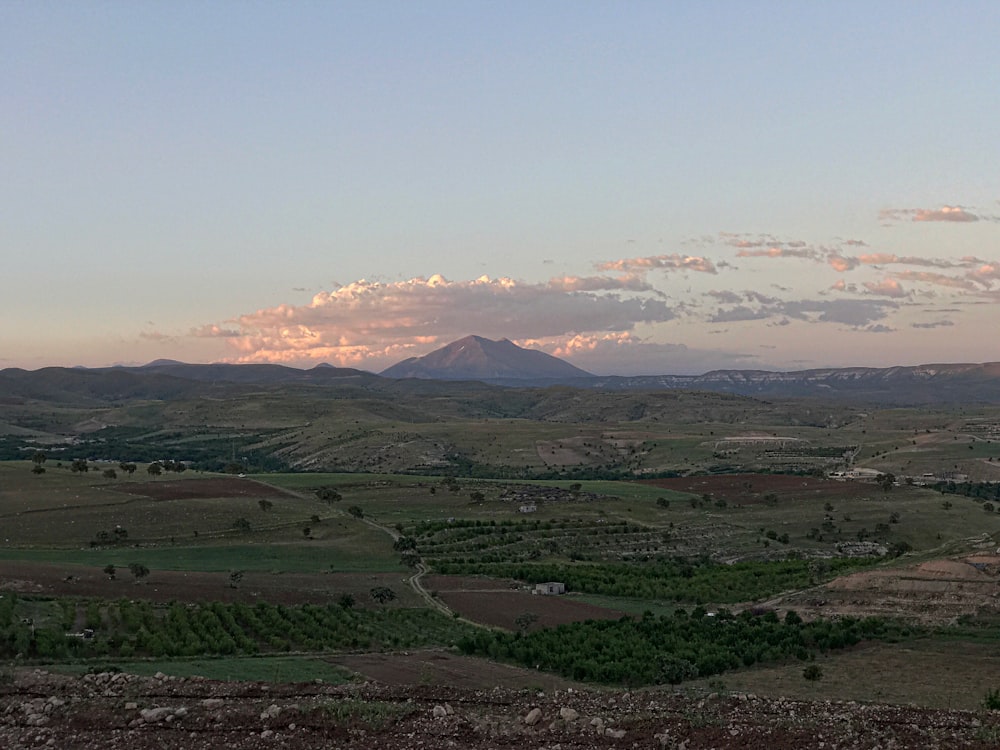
[478,358]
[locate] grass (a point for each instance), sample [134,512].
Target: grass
[239,669]
[301,558]
[931,672]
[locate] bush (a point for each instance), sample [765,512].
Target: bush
[812,672]
[991,701]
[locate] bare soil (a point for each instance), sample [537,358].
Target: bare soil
[749,489]
[195,489]
[934,592]
[443,668]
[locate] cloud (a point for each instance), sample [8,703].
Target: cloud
[156,336]
[945,213]
[933,324]
[673,262]
[365,322]
[599,283]
[938,279]
[214,332]
[854,313]
[886,288]
[626,354]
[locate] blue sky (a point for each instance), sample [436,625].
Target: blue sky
[638,187]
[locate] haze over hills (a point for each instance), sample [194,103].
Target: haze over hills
[502,363]
[477,358]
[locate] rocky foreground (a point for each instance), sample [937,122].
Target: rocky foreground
[110,710]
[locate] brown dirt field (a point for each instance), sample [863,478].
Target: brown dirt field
[932,592]
[452,670]
[192,489]
[501,608]
[748,489]
[54,579]
[469,583]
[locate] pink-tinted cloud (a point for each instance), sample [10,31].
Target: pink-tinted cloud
[673,262]
[214,332]
[938,279]
[842,263]
[944,214]
[627,354]
[600,283]
[374,324]
[886,288]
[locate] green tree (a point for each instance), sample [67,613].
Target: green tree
[382,594]
[885,481]
[154,469]
[138,571]
[355,511]
[110,572]
[328,494]
[525,620]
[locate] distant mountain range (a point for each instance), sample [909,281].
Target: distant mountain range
[476,358]
[500,363]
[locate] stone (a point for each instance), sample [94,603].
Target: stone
[533,716]
[568,714]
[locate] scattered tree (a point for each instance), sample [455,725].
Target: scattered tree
[355,511]
[885,481]
[109,571]
[812,672]
[345,601]
[234,579]
[382,594]
[154,469]
[265,505]
[242,524]
[525,620]
[110,474]
[138,571]
[79,466]
[328,494]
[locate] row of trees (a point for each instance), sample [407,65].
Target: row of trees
[139,628]
[671,649]
[679,580]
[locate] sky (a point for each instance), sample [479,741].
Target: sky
[637,187]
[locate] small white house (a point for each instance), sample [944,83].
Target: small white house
[551,588]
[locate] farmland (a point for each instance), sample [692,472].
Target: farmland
[693,517]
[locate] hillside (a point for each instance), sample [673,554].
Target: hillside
[476,358]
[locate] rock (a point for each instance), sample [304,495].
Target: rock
[614,733]
[533,716]
[439,712]
[131,706]
[212,702]
[153,715]
[568,714]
